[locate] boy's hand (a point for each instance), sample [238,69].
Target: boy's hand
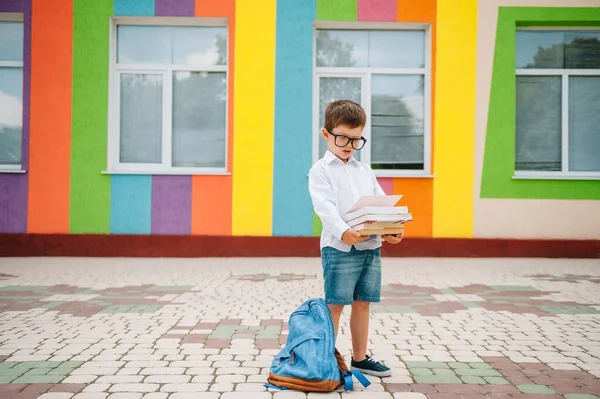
[352,237]
[393,239]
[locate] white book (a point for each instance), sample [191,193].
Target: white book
[379,201]
[376,210]
[407,217]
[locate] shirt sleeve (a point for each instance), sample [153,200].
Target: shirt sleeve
[377,187]
[323,201]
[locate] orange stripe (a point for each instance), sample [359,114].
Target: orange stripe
[50,133]
[417,194]
[212,195]
[424,11]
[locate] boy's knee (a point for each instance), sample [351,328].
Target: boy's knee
[335,309]
[359,305]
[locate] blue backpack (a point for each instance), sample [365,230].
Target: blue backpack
[309,361]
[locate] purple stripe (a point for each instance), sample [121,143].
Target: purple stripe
[13,187]
[26,83]
[174,8]
[12,5]
[13,203]
[171,204]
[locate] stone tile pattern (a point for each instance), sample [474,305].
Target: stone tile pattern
[529,337]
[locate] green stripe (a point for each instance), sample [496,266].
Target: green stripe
[90,190]
[336,10]
[317,225]
[333,10]
[499,155]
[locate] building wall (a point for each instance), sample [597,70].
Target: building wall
[65,130]
[505,207]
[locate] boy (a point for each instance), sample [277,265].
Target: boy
[351,262]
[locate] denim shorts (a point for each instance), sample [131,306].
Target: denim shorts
[351,276]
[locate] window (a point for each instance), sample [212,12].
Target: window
[169,99]
[387,72]
[11,94]
[558,103]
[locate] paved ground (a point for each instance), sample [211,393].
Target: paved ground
[209,328]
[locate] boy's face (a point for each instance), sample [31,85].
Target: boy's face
[344,132]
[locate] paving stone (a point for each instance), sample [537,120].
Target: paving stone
[437,379]
[537,389]
[427,365]
[56,395]
[87,395]
[195,395]
[247,395]
[128,395]
[190,387]
[39,379]
[156,395]
[496,380]
[478,372]
[473,380]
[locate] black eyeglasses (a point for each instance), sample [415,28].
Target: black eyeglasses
[342,141]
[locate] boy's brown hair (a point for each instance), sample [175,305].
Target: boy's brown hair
[344,112]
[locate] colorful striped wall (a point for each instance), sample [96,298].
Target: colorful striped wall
[269,121]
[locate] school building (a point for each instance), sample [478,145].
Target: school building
[148,127]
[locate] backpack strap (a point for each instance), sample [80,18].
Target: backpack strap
[269,385]
[349,383]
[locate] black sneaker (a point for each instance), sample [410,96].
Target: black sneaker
[371,366]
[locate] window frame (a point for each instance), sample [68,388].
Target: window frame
[365,73]
[564,74]
[166,70]
[14,17]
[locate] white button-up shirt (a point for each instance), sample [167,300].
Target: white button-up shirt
[334,187]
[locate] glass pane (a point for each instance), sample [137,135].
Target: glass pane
[397,115]
[342,48]
[584,122]
[397,49]
[138,44]
[199,115]
[141,118]
[11,41]
[582,50]
[11,115]
[331,89]
[540,49]
[200,45]
[538,140]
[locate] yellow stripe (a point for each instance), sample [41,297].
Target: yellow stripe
[455,118]
[254,113]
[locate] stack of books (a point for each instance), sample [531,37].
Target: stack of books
[370,217]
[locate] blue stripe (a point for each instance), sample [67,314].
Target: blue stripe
[292,207]
[131,195]
[134,7]
[130,204]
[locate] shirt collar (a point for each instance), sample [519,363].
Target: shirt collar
[329,157]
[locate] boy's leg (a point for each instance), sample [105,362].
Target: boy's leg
[359,328]
[341,271]
[336,312]
[368,289]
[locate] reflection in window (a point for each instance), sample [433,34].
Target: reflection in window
[173,96]
[558,49]
[384,70]
[11,92]
[555,130]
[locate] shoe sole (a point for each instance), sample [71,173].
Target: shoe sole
[375,373]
